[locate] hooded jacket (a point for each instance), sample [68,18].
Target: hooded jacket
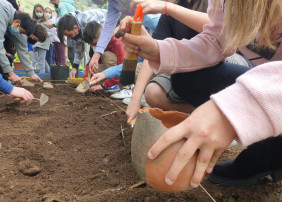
[82,18]
[7,13]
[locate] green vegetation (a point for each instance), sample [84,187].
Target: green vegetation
[81,5]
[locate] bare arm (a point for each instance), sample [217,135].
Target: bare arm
[193,19]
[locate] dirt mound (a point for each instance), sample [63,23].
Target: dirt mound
[74,142]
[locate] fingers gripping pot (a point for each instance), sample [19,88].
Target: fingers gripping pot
[151,123]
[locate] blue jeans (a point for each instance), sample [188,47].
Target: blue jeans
[50,55]
[42,63]
[197,87]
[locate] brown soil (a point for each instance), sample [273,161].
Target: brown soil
[67,150]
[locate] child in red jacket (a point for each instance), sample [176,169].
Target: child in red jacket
[113,55]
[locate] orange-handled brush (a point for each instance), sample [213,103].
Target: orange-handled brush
[130,60]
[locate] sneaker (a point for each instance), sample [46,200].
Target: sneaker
[126,101]
[112,89]
[123,93]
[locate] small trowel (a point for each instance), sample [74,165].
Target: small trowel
[42,100]
[85,85]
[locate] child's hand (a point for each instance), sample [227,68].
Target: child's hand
[131,110]
[34,50]
[25,95]
[35,78]
[14,78]
[72,73]
[95,88]
[206,131]
[98,77]
[144,45]
[94,63]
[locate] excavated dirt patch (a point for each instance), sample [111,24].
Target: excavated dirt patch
[67,150]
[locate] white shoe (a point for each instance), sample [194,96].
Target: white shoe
[123,93]
[126,101]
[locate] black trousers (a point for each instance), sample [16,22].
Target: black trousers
[197,87]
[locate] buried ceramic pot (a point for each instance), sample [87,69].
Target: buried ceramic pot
[150,125]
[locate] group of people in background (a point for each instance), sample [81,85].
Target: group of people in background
[219,61]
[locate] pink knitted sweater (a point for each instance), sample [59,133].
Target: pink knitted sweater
[253,105]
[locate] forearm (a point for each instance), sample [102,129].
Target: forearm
[21,48]
[5,87]
[143,79]
[4,62]
[113,72]
[255,96]
[79,54]
[112,18]
[193,19]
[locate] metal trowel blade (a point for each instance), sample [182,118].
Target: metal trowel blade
[43,99]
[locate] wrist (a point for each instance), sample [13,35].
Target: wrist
[11,73]
[167,8]
[96,56]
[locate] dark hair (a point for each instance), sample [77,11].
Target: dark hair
[65,23]
[197,5]
[49,9]
[27,23]
[98,2]
[91,31]
[40,32]
[34,14]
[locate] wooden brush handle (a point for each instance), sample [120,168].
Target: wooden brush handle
[135,30]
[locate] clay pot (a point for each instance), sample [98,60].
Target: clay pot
[151,123]
[18,65]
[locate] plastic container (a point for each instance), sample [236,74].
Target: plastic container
[59,74]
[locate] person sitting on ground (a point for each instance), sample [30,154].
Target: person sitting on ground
[9,89]
[17,26]
[215,123]
[159,88]
[159,92]
[72,25]
[42,47]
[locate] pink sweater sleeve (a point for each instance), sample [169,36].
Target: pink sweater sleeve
[253,105]
[202,51]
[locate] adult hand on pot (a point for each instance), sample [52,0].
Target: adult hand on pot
[23,94]
[149,6]
[206,130]
[35,78]
[72,73]
[144,45]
